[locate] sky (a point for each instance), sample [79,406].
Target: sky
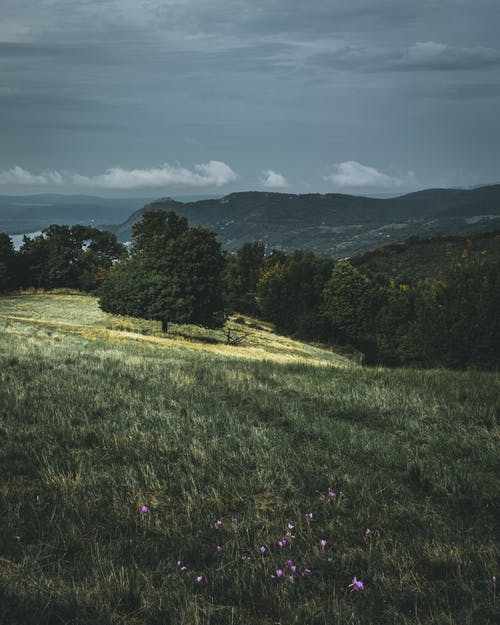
[172,97]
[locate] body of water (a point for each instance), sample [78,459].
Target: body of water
[17,239]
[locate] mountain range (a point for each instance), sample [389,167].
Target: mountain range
[336,225]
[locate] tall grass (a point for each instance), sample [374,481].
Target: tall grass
[94,427]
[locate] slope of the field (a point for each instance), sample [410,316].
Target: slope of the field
[58,315]
[120,451]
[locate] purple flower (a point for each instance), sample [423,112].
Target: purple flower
[356,584]
[309,515]
[291,526]
[235,520]
[279,573]
[322,542]
[218,548]
[202,578]
[293,568]
[289,534]
[330,559]
[144,510]
[180,567]
[218,523]
[331,494]
[306,571]
[494,580]
[368,532]
[282,543]
[262,549]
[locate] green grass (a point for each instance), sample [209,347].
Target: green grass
[98,418]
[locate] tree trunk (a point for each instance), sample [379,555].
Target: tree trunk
[164,325]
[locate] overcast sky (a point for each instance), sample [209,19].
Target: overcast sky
[165,97]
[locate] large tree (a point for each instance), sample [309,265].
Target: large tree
[241,275]
[289,292]
[351,300]
[173,273]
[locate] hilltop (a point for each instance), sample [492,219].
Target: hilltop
[149,478]
[335,225]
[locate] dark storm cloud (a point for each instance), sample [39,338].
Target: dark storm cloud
[440,56]
[265,86]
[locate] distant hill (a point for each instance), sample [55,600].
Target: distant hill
[20,214]
[27,213]
[336,225]
[416,259]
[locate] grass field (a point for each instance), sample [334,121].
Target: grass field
[101,416]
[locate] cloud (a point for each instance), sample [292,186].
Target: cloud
[213,173]
[354,174]
[272,180]
[434,55]
[18,175]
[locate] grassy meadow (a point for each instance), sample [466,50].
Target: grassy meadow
[174,479]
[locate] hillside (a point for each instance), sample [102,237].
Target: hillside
[334,224]
[431,258]
[149,479]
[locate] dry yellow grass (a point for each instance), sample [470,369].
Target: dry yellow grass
[54,313]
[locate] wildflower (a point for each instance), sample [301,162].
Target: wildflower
[356,584]
[309,515]
[218,523]
[180,566]
[202,578]
[279,573]
[330,559]
[144,510]
[494,580]
[282,543]
[368,532]
[331,494]
[291,526]
[289,534]
[322,542]
[306,571]
[218,549]
[262,549]
[235,520]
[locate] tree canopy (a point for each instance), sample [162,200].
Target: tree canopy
[173,273]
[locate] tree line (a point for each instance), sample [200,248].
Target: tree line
[77,257]
[177,273]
